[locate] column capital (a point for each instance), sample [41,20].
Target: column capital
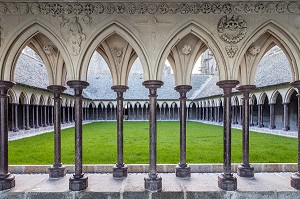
[119,88]
[77,85]
[227,85]
[183,88]
[246,88]
[5,86]
[153,84]
[56,89]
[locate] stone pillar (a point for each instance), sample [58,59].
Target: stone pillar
[15,110]
[27,117]
[48,115]
[63,115]
[13,117]
[120,169]
[57,170]
[68,114]
[259,116]
[97,113]
[7,181]
[153,182]
[37,116]
[23,117]
[72,114]
[241,114]
[251,115]
[45,116]
[244,169]
[218,114]
[226,181]
[286,117]
[182,169]
[295,178]
[52,115]
[78,181]
[33,115]
[233,114]
[272,116]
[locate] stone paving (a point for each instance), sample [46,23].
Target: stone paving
[263,185]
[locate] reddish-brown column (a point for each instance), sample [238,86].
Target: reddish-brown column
[153,182]
[244,169]
[272,116]
[295,178]
[57,170]
[182,169]
[78,181]
[226,181]
[7,181]
[120,169]
[286,117]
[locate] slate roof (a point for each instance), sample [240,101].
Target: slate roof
[31,71]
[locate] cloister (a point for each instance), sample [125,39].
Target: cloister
[66,34]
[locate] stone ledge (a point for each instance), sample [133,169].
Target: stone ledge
[161,168]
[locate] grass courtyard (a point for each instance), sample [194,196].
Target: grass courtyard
[204,145]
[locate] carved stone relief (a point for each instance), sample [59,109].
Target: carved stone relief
[186,49]
[74,36]
[48,49]
[232,28]
[243,7]
[254,50]
[231,50]
[118,52]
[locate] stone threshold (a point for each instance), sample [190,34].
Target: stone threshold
[161,168]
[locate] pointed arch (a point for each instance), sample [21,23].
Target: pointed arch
[12,96]
[277,35]
[42,100]
[274,96]
[100,36]
[288,95]
[204,35]
[262,98]
[21,38]
[23,98]
[33,99]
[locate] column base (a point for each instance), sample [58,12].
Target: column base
[286,128]
[27,128]
[15,130]
[78,184]
[7,183]
[37,126]
[245,171]
[183,171]
[153,184]
[228,183]
[57,172]
[45,125]
[120,172]
[295,180]
[272,127]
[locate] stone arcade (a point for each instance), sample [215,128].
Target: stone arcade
[66,34]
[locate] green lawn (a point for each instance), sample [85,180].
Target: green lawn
[204,145]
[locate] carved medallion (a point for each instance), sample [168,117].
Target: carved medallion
[254,50]
[186,49]
[48,49]
[118,54]
[232,28]
[231,50]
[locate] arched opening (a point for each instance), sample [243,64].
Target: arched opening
[278,112]
[293,112]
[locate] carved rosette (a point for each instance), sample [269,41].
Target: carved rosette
[186,49]
[58,8]
[232,29]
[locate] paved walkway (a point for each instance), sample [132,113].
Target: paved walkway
[263,185]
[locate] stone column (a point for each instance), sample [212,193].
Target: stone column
[15,110]
[153,182]
[259,116]
[27,117]
[286,117]
[272,116]
[23,117]
[57,170]
[233,114]
[68,114]
[52,115]
[182,169]
[120,169]
[72,114]
[78,181]
[244,169]
[251,115]
[33,115]
[218,114]
[97,113]
[45,116]
[63,115]
[241,114]
[13,117]
[226,181]
[295,178]
[7,181]
[37,116]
